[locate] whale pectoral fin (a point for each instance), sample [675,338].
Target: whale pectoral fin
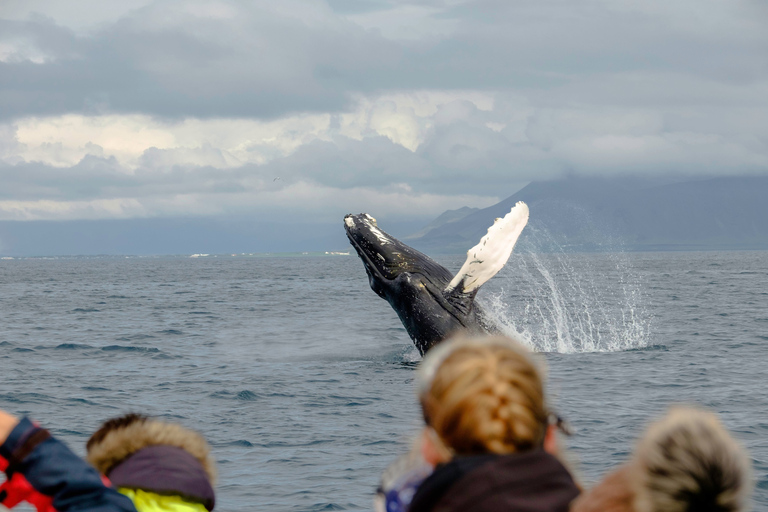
[490,255]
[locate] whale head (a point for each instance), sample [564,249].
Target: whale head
[412,283]
[387,259]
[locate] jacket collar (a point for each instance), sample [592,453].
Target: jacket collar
[165,470]
[533,480]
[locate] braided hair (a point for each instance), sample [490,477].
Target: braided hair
[485,396]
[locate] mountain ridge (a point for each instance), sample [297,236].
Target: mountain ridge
[594,214]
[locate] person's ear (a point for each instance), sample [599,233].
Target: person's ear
[7,423]
[551,445]
[433,453]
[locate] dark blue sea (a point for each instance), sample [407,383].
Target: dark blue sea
[302,378]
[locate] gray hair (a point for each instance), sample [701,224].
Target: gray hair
[688,461]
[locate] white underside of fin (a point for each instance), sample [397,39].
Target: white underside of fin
[489,256]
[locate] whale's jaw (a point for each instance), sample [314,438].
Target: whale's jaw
[414,285]
[385,257]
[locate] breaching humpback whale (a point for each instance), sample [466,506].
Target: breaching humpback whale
[430,301]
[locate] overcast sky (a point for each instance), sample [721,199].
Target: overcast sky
[311,109]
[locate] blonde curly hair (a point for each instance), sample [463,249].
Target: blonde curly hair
[483,395]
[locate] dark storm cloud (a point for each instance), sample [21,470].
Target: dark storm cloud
[260,61]
[259,65]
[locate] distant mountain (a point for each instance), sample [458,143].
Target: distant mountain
[447,217]
[597,214]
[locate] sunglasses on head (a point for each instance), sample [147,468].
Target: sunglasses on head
[560,423]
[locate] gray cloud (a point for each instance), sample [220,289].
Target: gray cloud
[588,87]
[263,61]
[466,151]
[156,61]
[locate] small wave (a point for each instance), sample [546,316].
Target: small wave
[121,348]
[27,398]
[9,344]
[649,348]
[318,507]
[173,417]
[381,442]
[117,297]
[81,401]
[22,350]
[134,337]
[65,432]
[407,365]
[199,313]
[85,310]
[71,346]
[280,395]
[174,332]
[247,395]
[240,442]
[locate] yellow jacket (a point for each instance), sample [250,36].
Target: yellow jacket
[150,502]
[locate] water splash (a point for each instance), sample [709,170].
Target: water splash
[569,302]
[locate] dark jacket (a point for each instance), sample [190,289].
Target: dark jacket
[43,471]
[528,482]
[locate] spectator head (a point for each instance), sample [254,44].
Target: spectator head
[152,461]
[687,461]
[482,395]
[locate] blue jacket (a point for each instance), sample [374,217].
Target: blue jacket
[44,472]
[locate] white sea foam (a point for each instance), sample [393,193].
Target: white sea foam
[554,307]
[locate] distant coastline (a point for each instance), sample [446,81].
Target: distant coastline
[573,214]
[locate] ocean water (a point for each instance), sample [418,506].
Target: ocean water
[302,378]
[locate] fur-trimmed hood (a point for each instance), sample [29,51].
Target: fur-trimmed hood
[123,442]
